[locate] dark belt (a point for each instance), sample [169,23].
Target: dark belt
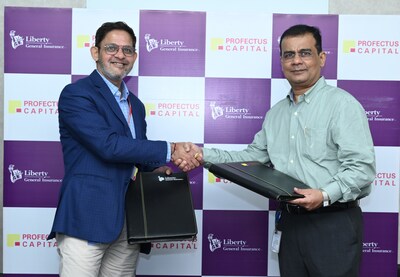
[335,207]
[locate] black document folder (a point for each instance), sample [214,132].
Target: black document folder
[159,207]
[259,178]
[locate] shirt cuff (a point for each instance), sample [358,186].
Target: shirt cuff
[333,191]
[168,151]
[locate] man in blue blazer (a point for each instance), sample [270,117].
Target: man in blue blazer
[103,136]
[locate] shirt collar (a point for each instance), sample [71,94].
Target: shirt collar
[308,95]
[116,90]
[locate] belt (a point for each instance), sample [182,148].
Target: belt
[335,207]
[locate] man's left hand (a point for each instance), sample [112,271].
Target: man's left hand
[312,200]
[163,169]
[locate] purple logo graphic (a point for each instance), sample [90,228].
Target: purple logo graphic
[40,43]
[152,43]
[232,248]
[16,40]
[33,173]
[15,174]
[173,43]
[214,243]
[380,244]
[235,109]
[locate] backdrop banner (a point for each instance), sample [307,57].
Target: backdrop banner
[204,76]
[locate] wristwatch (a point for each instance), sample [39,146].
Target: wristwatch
[326,201]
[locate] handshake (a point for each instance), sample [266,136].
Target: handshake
[186,155]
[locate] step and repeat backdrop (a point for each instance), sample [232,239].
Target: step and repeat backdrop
[191,63]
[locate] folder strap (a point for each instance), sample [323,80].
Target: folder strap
[144,207]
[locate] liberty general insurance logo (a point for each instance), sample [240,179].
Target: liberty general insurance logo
[167,45]
[31,41]
[30,176]
[230,245]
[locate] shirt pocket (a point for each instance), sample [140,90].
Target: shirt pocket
[315,146]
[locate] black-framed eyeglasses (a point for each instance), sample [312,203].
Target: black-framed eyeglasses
[290,55]
[113,49]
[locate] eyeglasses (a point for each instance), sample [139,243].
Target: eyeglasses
[290,55]
[113,49]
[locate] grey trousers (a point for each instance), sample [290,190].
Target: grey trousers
[321,244]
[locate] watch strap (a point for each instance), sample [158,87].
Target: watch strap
[326,202]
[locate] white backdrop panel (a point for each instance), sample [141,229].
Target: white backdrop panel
[25,247]
[174,107]
[238,50]
[85,22]
[384,196]
[221,194]
[31,113]
[367,50]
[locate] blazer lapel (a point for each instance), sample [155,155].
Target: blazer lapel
[108,96]
[137,116]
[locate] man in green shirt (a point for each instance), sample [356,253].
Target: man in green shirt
[318,134]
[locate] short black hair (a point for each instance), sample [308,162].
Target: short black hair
[110,26]
[299,30]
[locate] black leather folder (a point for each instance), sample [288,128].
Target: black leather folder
[159,207]
[259,178]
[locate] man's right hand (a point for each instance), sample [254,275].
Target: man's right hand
[186,155]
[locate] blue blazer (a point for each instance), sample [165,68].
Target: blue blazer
[99,155]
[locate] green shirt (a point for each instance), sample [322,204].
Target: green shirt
[323,140]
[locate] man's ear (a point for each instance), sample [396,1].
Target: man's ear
[322,58]
[94,51]
[135,56]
